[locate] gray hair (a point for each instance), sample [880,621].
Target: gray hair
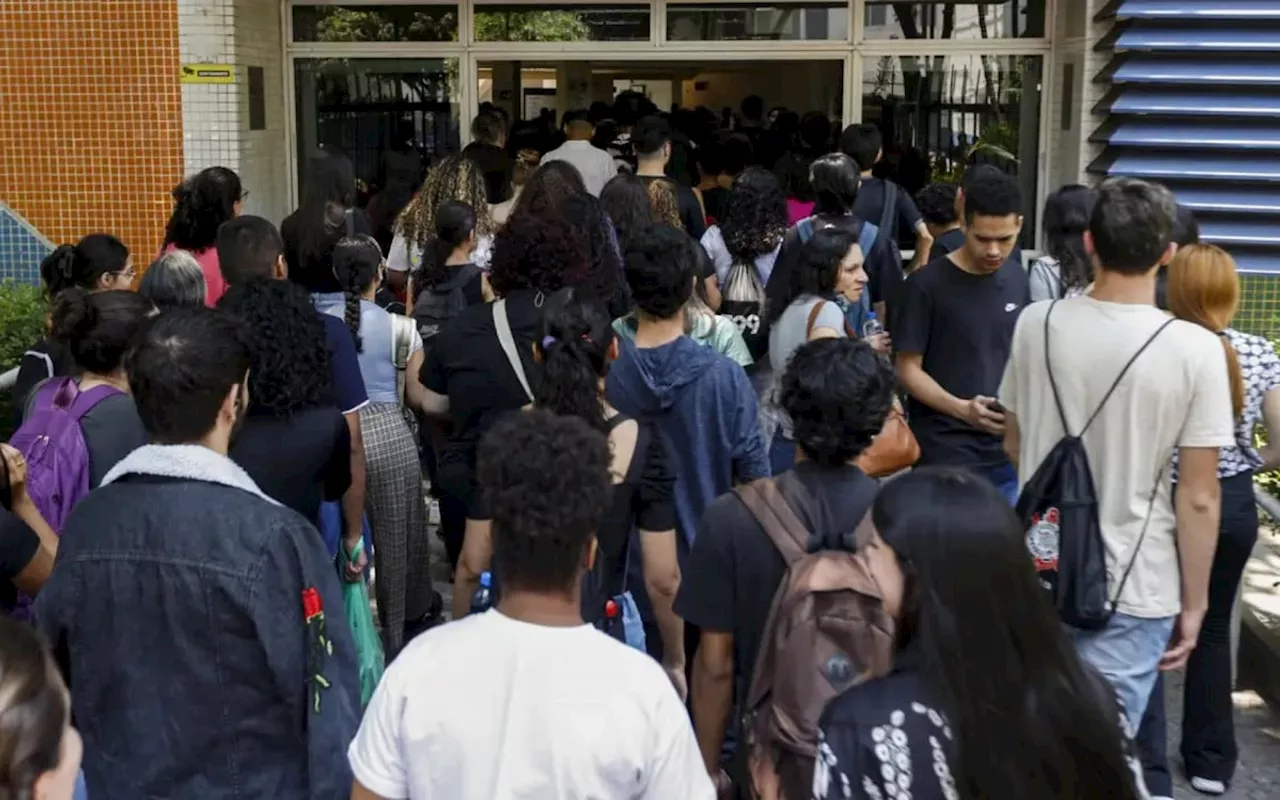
[1132,224]
[174,280]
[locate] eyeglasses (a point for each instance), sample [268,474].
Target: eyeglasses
[127,274]
[244,195]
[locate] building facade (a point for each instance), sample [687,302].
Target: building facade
[107,103]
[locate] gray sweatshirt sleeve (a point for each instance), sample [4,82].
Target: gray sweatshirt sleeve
[1046,283]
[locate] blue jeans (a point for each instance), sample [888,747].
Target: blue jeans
[81,793]
[1004,477]
[1127,653]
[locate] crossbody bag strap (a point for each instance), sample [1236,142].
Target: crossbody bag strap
[503,326]
[888,226]
[402,329]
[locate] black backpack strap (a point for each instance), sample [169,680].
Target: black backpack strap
[1053,383]
[1120,377]
[889,215]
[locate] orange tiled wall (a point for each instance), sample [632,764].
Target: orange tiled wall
[91,117]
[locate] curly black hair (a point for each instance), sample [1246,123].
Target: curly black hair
[538,254]
[586,214]
[547,484]
[626,201]
[290,367]
[937,203]
[838,393]
[660,265]
[574,341]
[815,272]
[547,189]
[201,204]
[756,219]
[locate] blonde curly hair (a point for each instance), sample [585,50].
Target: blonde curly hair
[454,178]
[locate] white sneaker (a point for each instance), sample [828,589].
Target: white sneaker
[1160,797]
[1206,786]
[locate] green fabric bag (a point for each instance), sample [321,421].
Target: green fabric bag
[355,597]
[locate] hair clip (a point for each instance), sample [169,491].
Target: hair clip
[586,338]
[547,341]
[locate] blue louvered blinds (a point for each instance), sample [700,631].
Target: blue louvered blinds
[1194,102]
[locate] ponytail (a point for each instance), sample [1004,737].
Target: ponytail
[356,260]
[574,346]
[1204,288]
[83,264]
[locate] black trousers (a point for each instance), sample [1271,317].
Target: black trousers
[1208,732]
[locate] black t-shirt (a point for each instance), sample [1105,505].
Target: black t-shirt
[948,242]
[691,217]
[299,461]
[716,200]
[962,324]
[496,165]
[870,206]
[315,272]
[734,570]
[466,363]
[47,359]
[18,545]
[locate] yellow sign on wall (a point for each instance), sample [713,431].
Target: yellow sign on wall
[208,73]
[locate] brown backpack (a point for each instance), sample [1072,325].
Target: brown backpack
[826,631]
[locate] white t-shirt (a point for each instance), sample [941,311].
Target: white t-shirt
[406,257]
[1175,395]
[490,708]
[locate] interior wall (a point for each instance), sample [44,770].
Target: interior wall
[810,86]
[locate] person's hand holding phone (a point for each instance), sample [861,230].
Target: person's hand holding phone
[985,413]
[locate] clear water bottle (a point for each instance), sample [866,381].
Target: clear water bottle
[871,326]
[483,597]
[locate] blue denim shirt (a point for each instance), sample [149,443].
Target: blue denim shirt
[177,606]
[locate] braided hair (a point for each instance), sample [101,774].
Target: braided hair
[356,261]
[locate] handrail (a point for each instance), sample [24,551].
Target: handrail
[1269,503]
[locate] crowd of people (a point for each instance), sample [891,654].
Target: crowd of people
[738,499]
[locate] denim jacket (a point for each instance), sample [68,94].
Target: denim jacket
[203,629]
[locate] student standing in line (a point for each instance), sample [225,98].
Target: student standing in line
[651,139]
[328,211]
[174,280]
[954,331]
[394,501]
[941,214]
[986,698]
[488,151]
[454,178]
[864,144]
[201,204]
[538,703]
[1174,397]
[595,165]
[230,651]
[249,249]
[837,393]
[1205,289]
[1065,270]
[97,263]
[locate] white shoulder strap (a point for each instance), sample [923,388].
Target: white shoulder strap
[508,343]
[402,329]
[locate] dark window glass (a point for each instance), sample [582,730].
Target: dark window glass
[383,23]
[1013,19]
[562,23]
[725,22]
[383,113]
[940,114]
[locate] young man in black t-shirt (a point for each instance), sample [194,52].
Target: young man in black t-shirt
[838,393]
[954,331]
[651,138]
[864,144]
[941,214]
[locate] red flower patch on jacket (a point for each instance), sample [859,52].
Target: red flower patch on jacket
[319,646]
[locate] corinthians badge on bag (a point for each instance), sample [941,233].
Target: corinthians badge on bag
[1042,540]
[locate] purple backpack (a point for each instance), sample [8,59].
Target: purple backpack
[53,444]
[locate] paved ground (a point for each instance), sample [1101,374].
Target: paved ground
[1258,734]
[1257,726]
